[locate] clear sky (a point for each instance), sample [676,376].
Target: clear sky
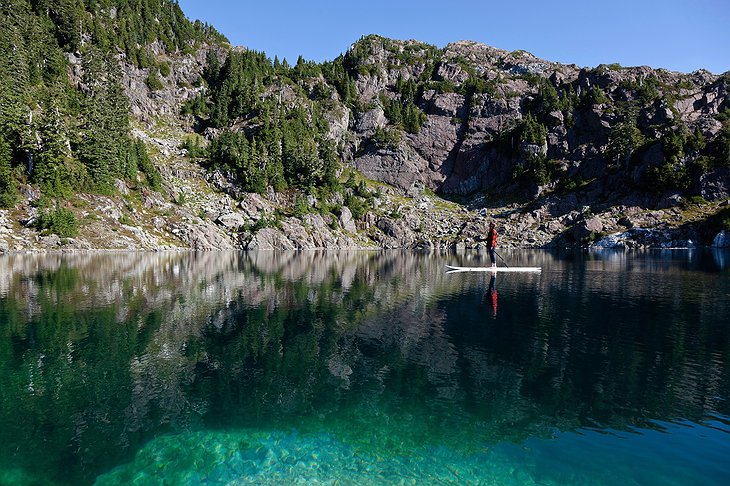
[681,35]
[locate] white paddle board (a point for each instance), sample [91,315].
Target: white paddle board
[453,269]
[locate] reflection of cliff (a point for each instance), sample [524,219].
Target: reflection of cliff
[126,346]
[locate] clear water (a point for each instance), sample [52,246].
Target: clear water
[364,368]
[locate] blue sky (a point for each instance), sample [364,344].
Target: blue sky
[681,35]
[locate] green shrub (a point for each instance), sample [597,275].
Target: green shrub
[60,221]
[273,221]
[441,87]
[193,148]
[358,206]
[571,184]
[164,68]
[725,219]
[195,106]
[387,138]
[537,169]
[593,96]
[153,82]
[697,200]
[152,175]
[668,176]
[529,130]
[300,207]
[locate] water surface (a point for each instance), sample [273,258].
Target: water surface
[364,367]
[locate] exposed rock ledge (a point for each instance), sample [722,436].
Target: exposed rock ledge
[215,221]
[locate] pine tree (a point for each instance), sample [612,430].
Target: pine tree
[106,124]
[8,191]
[623,140]
[152,175]
[51,168]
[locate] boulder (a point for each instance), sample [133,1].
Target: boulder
[533,149]
[669,201]
[270,239]
[346,220]
[232,221]
[202,237]
[587,227]
[555,117]
[452,72]
[715,185]
[390,228]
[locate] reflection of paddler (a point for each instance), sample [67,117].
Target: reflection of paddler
[492,294]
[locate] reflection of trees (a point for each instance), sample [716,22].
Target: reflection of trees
[101,352]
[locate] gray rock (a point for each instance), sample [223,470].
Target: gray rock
[202,237]
[669,201]
[346,221]
[232,221]
[270,239]
[555,117]
[447,104]
[390,228]
[649,238]
[371,120]
[400,169]
[532,149]
[587,227]
[452,72]
[715,185]
[50,241]
[121,187]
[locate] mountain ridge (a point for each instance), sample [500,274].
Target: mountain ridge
[351,153]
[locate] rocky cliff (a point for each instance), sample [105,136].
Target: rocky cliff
[433,142]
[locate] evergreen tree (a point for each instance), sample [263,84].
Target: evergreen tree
[330,164]
[106,126]
[152,175]
[623,140]
[53,158]
[8,191]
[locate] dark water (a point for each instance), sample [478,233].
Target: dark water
[367,368]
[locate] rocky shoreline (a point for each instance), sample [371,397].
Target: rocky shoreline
[193,215]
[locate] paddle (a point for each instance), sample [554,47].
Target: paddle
[500,257]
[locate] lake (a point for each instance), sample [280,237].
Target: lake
[365,367]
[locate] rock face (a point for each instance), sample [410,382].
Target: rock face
[546,150]
[477,95]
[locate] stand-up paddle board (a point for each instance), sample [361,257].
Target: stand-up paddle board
[452,269]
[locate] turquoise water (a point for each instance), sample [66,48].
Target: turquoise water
[364,368]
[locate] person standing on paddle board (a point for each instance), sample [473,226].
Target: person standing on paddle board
[492,244]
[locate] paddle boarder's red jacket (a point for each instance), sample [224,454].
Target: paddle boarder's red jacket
[492,238]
